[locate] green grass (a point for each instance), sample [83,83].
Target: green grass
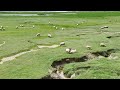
[36,64]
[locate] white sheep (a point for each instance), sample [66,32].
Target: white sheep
[49,22]
[70,50]
[56,27]
[3,28]
[102,45]
[33,26]
[88,47]
[38,34]
[21,25]
[49,35]
[16,27]
[77,24]
[62,28]
[73,50]
[53,26]
[62,43]
[67,50]
[104,27]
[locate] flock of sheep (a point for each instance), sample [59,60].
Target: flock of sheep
[68,50]
[71,50]
[2,28]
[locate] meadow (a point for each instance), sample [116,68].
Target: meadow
[35,65]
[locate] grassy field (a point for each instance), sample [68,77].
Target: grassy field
[35,65]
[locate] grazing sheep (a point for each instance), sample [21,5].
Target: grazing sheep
[16,27]
[88,47]
[21,25]
[49,35]
[53,26]
[49,22]
[70,50]
[102,45]
[73,51]
[77,24]
[56,27]
[104,27]
[38,34]
[62,28]
[3,29]
[62,43]
[33,26]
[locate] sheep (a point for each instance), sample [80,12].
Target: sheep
[73,51]
[102,45]
[70,50]
[16,27]
[88,47]
[49,35]
[62,43]
[49,22]
[3,29]
[62,28]
[38,34]
[56,27]
[53,26]
[21,25]
[77,24]
[33,26]
[104,27]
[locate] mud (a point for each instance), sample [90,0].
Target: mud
[89,56]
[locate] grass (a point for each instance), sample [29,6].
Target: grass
[36,64]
